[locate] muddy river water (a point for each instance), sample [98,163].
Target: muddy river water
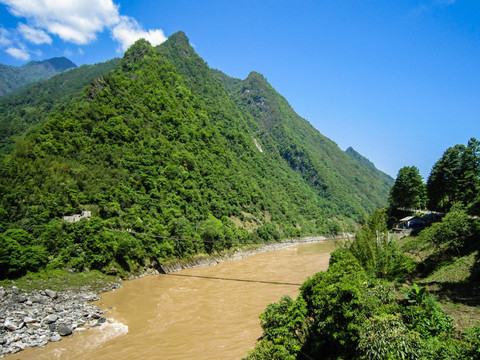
[202,313]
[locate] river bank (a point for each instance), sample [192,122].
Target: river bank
[35,317]
[238,253]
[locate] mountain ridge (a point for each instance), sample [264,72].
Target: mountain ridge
[14,77]
[370,165]
[23,110]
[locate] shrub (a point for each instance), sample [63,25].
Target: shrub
[385,337]
[424,315]
[338,301]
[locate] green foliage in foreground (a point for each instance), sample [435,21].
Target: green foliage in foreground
[345,314]
[375,251]
[351,311]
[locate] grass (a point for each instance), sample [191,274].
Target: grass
[456,272]
[60,280]
[451,274]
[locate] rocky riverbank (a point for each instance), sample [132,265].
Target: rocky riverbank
[36,317]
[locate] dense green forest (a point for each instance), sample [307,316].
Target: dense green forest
[14,77]
[25,110]
[159,143]
[385,298]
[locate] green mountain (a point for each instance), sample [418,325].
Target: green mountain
[387,179]
[14,77]
[24,110]
[346,186]
[164,145]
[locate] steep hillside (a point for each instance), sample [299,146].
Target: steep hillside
[349,187]
[387,179]
[14,77]
[160,146]
[28,107]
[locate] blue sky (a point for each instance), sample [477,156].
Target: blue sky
[397,80]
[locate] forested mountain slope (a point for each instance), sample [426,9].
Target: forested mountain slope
[161,146]
[13,77]
[387,179]
[28,107]
[349,187]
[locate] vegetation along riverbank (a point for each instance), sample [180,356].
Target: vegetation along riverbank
[383,298]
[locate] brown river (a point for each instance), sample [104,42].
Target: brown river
[208,312]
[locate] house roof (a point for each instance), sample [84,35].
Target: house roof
[410,218]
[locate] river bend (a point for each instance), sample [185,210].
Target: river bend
[202,313]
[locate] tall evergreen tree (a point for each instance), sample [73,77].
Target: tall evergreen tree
[443,179]
[409,190]
[455,177]
[469,181]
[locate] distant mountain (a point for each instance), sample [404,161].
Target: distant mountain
[367,163]
[14,77]
[164,145]
[27,108]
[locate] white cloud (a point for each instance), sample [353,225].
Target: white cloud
[35,36]
[128,30]
[80,21]
[18,53]
[4,37]
[73,21]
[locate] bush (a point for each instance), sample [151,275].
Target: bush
[424,315]
[17,256]
[339,301]
[268,232]
[452,228]
[386,337]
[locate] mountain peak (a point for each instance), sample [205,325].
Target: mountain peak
[178,42]
[136,52]
[58,64]
[256,76]
[178,37]
[354,154]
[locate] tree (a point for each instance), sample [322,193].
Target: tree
[409,190]
[443,179]
[378,256]
[469,180]
[455,177]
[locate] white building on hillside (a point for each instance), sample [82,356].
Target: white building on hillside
[77,217]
